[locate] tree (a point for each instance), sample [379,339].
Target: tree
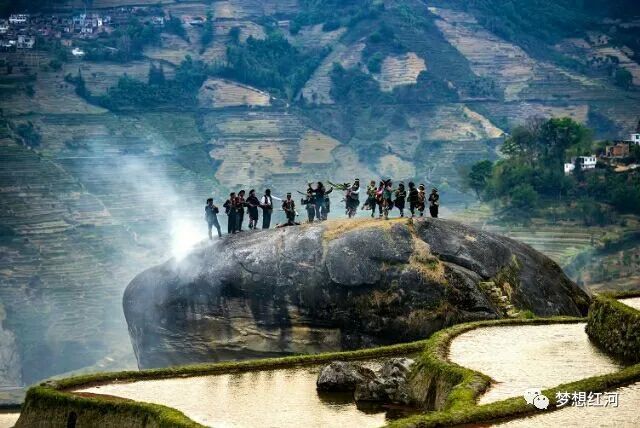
[207,32]
[374,64]
[174,26]
[156,75]
[623,78]
[523,197]
[234,34]
[479,175]
[29,134]
[578,172]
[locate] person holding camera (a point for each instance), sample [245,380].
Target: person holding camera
[211,215]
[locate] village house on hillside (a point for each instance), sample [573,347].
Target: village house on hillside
[19,19]
[619,150]
[585,162]
[635,137]
[19,31]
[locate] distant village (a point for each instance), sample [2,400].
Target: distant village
[22,31]
[613,155]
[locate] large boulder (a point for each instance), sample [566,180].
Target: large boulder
[342,376]
[389,385]
[336,285]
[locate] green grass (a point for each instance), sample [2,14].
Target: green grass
[615,327]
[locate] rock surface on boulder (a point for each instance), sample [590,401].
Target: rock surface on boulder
[335,285]
[389,385]
[341,376]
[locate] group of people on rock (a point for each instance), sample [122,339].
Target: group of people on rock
[382,196]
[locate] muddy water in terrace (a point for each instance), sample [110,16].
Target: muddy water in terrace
[275,398]
[623,416]
[7,420]
[634,302]
[522,357]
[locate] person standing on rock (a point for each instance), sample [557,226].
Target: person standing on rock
[230,209]
[267,209]
[310,204]
[327,204]
[380,198]
[353,198]
[421,200]
[412,198]
[322,205]
[370,204]
[253,203]
[240,204]
[434,203]
[387,201]
[401,197]
[289,207]
[211,216]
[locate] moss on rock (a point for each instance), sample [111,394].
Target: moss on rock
[615,327]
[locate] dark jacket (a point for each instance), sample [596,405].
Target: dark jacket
[211,213]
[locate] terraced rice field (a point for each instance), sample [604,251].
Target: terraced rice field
[634,302]
[317,90]
[276,398]
[105,198]
[220,93]
[523,357]
[313,37]
[625,415]
[400,70]
[7,420]
[488,54]
[454,123]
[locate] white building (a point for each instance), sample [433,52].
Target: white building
[18,19]
[635,138]
[569,167]
[585,162]
[77,52]
[26,42]
[4,27]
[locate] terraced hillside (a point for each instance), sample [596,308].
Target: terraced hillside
[102,193]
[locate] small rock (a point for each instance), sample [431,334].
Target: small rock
[389,385]
[340,376]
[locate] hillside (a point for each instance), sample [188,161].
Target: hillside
[110,179]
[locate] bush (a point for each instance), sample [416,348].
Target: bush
[523,197]
[623,78]
[55,64]
[207,32]
[331,25]
[272,64]
[174,26]
[29,134]
[613,326]
[375,63]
